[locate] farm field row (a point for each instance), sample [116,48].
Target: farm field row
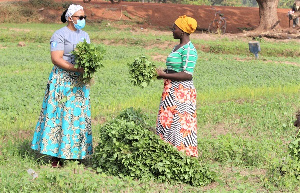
[245,107]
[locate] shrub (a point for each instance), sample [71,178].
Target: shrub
[283,174]
[66,4]
[128,148]
[294,149]
[42,3]
[294,146]
[237,151]
[131,114]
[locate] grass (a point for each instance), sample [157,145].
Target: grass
[245,108]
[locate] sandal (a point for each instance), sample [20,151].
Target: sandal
[56,162]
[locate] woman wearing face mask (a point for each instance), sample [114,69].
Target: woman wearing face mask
[64,129]
[176,122]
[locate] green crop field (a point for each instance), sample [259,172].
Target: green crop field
[245,109]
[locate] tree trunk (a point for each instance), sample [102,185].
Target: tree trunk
[268,15]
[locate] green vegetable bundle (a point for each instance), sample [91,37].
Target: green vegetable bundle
[129,148]
[89,57]
[142,71]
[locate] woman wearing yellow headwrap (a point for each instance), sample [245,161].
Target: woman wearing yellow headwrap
[177,122]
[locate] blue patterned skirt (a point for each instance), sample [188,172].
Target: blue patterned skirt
[64,126]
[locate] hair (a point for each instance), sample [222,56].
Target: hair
[63,16]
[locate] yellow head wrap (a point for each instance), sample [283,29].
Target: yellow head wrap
[186,24]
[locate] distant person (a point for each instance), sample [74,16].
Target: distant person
[296,9]
[177,119]
[63,130]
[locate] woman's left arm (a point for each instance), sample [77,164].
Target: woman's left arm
[179,76]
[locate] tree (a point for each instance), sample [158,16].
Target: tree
[268,15]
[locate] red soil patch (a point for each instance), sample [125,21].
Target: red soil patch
[163,15]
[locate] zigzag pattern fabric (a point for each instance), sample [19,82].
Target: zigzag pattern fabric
[177,118]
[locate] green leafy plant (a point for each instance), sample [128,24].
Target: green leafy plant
[283,174]
[294,147]
[89,57]
[236,151]
[127,148]
[135,115]
[44,3]
[141,71]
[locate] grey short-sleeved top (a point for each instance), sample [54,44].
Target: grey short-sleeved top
[66,40]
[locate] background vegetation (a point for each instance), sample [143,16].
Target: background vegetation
[35,11]
[234,3]
[245,107]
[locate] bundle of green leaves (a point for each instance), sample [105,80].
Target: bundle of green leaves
[127,148]
[89,57]
[141,71]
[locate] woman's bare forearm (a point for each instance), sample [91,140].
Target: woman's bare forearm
[57,59]
[179,76]
[65,65]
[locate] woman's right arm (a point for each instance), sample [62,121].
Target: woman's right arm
[57,59]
